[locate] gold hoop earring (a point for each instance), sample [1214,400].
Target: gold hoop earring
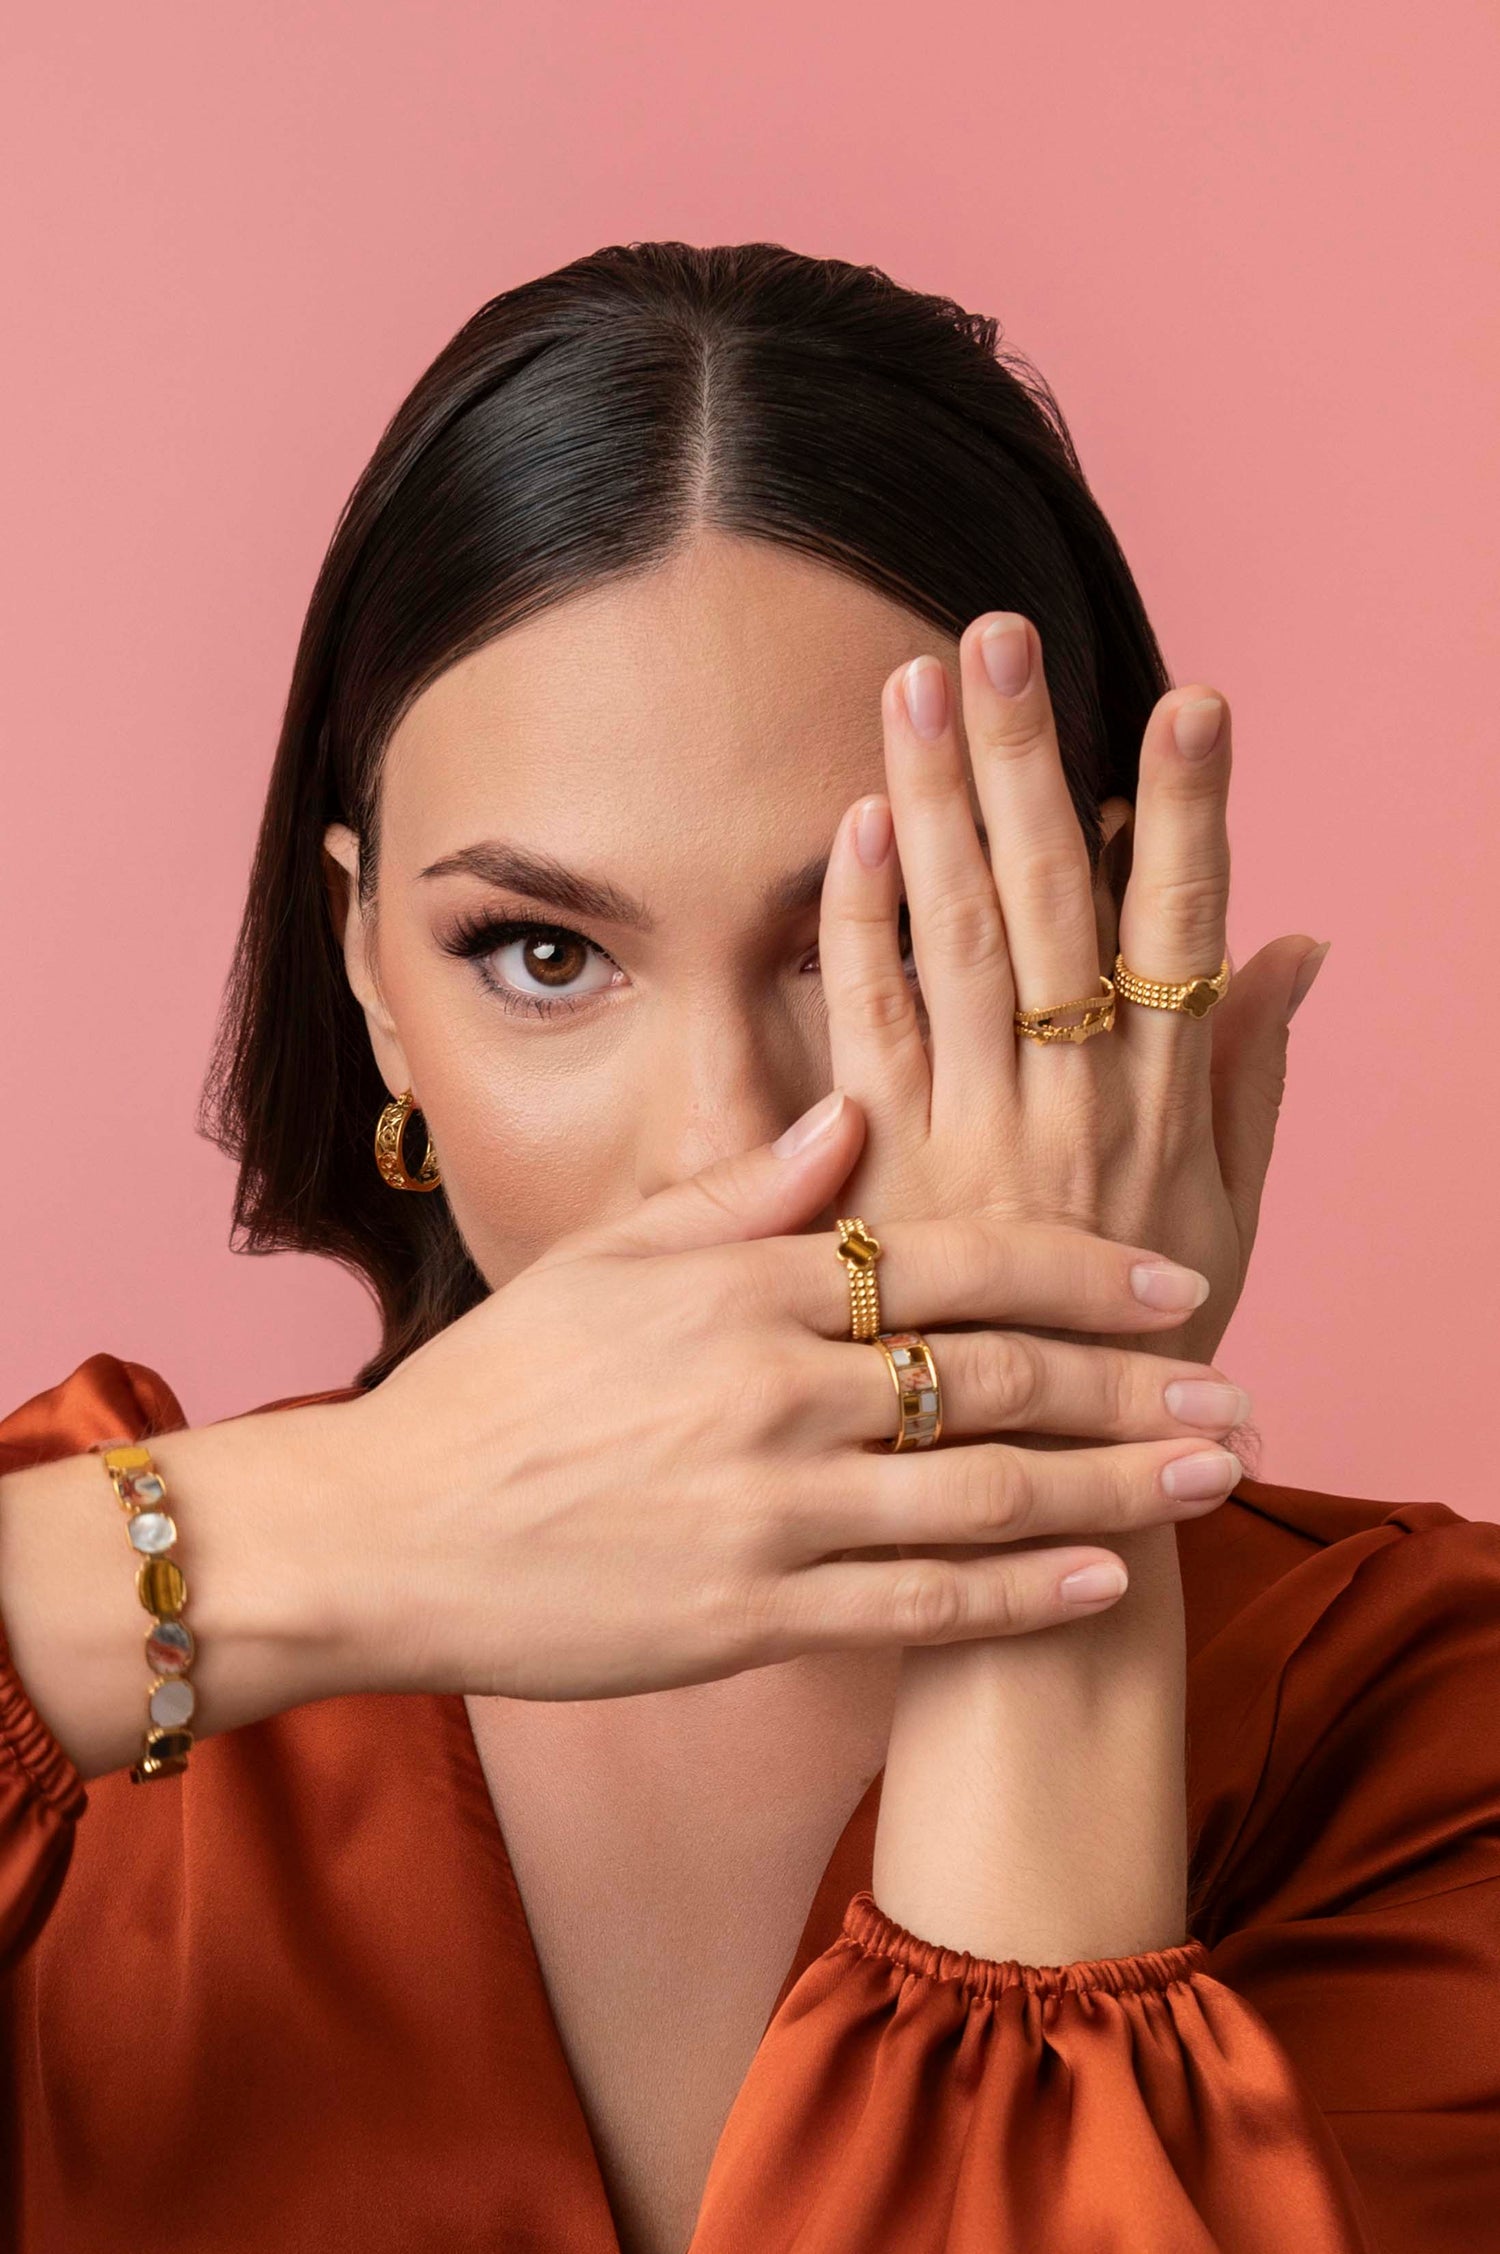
[389,1129]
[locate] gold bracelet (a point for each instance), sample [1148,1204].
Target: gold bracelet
[163,1591]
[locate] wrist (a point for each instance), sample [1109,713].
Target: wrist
[278,1591]
[1034,1799]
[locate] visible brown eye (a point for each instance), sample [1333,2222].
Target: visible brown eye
[534,967]
[553,957]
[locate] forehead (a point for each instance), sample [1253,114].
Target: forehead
[727,702]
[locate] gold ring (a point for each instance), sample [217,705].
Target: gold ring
[919,1396]
[1098,1017]
[1195,997]
[859,1251]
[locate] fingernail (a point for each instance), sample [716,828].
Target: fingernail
[1198,1479]
[810,1126]
[1007,656]
[1203,1400]
[1159,1284]
[1094,1584]
[872,832]
[1307,971]
[1196,726]
[925,687]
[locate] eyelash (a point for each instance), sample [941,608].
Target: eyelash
[474,937]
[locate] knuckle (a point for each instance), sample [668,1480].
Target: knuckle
[1192,903]
[1121,1405]
[927,1602]
[764,1387]
[1054,880]
[876,1001]
[1003,1604]
[992,1492]
[966,927]
[1011,730]
[1134,1491]
[1019,1379]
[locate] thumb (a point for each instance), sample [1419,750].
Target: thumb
[1248,1067]
[771,1190]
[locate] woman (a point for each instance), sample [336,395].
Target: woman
[602,1794]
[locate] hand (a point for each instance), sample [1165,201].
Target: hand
[640,1462]
[1159,1132]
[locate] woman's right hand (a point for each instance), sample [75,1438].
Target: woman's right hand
[646,1460]
[652,1458]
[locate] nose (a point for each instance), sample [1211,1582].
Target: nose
[717,1083]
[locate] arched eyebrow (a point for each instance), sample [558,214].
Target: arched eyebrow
[511,868]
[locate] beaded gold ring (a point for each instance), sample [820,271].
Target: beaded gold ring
[859,1251]
[1194,997]
[160,1585]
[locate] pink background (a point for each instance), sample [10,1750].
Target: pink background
[1246,245]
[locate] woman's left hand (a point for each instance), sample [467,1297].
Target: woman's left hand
[1158,1133]
[1033,1796]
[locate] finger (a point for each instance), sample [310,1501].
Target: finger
[1036,843]
[875,1036]
[1172,920]
[1247,1071]
[1012,1381]
[976,1268]
[957,930]
[859,1605]
[994,1491]
[760,1192]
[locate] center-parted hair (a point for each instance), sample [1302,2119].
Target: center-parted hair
[579,428]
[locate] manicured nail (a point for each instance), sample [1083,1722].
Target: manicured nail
[1196,726]
[925,687]
[1159,1284]
[1307,971]
[873,832]
[1094,1584]
[810,1126]
[1203,1400]
[1006,649]
[1198,1479]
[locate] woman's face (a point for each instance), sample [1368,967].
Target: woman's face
[594,950]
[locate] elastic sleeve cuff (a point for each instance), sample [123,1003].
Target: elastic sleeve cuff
[867,1928]
[29,1743]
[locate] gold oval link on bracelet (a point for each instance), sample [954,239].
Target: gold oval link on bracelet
[162,1589]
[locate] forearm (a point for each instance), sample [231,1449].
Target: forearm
[1033,1804]
[271,1602]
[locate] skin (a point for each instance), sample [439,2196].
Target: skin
[695,738]
[660,1550]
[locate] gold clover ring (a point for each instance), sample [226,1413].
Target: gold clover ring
[859,1251]
[1195,997]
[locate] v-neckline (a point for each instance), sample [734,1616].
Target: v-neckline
[845,1873]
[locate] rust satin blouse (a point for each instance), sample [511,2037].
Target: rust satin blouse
[289,2001]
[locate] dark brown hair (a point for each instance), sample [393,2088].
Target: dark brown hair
[578,428]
